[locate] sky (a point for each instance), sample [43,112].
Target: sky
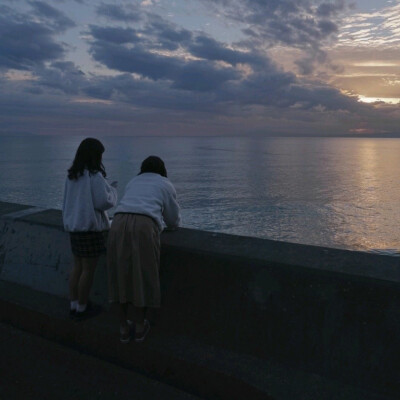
[200,67]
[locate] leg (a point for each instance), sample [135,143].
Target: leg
[140,314]
[86,279]
[142,326]
[74,278]
[123,316]
[125,327]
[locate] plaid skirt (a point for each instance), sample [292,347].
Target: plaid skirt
[88,244]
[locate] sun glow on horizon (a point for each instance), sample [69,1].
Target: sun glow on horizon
[387,100]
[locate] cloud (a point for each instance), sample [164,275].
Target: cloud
[140,58]
[64,1]
[211,70]
[169,36]
[304,24]
[300,23]
[368,47]
[57,19]
[114,35]
[24,42]
[203,76]
[206,47]
[122,104]
[149,72]
[328,9]
[118,13]
[373,30]
[188,75]
[61,75]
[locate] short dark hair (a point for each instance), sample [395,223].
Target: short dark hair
[88,156]
[153,164]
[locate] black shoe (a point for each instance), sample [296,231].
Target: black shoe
[125,337]
[140,336]
[72,314]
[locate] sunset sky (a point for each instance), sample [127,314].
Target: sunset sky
[200,67]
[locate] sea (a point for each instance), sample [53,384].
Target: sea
[335,192]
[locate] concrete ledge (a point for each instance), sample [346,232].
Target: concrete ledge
[284,254]
[50,218]
[9,208]
[318,310]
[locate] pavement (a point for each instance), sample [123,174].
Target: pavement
[44,354]
[35,368]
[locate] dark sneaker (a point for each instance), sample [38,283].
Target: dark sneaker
[125,337]
[140,336]
[72,313]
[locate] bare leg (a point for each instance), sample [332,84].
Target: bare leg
[74,278]
[86,278]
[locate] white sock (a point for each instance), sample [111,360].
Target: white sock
[74,304]
[81,307]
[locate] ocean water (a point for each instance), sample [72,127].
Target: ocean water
[336,192]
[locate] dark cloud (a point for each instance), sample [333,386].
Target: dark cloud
[114,35]
[307,63]
[324,96]
[54,114]
[304,24]
[135,60]
[148,94]
[210,49]
[57,19]
[61,75]
[168,35]
[291,22]
[327,27]
[203,76]
[24,42]
[195,75]
[331,9]
[245,77]
[187,75]
[143,106]
[64,1]
[118,13]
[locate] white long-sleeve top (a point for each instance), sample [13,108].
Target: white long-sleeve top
[86,200]
[153,195]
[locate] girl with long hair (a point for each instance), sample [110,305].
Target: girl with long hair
[133,252]
[87,196]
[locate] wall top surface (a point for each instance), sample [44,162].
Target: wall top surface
[254,251]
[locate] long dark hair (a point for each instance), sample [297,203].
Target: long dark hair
[153,164]
[88,156]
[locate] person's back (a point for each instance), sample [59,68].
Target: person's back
[153,195]
[85,201]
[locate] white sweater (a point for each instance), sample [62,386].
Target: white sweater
[153,195]
[86,201]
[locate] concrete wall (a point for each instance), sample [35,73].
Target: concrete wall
[333,312]
[35,251]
